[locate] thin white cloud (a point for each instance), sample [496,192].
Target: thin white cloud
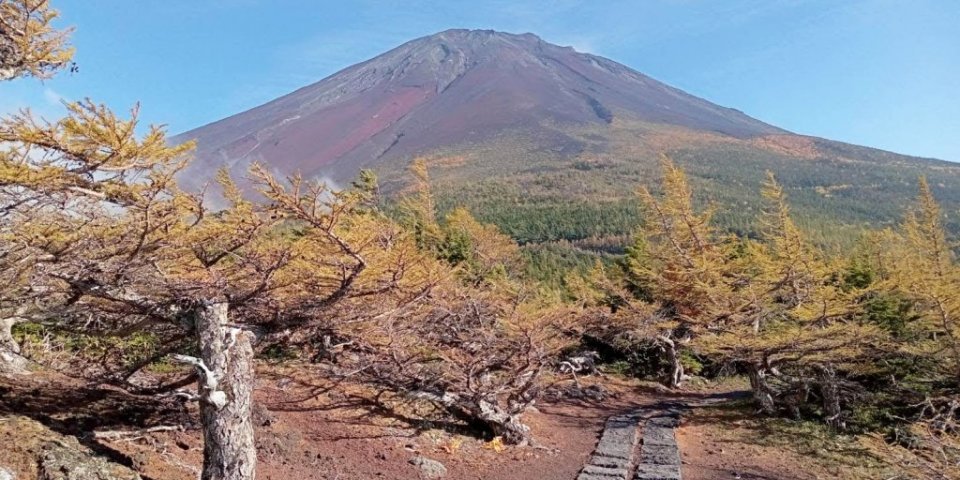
[45,104]
[52,97]
[580,43]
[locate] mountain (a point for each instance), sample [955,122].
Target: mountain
[549,142]
[443,89]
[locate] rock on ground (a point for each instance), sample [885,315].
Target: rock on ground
[31,450]
[430,468]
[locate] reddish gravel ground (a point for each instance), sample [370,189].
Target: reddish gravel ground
[359,444]
[707,457]
[311,431]
[723,441]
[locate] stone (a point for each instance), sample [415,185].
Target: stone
[429,467]
[595,476]
[262,416]
[660,454]
[610,473]
[646,471]
[619,438]
[670,421]
[655,435]
[616,450]
[609,462]
[56,456]
[67,460]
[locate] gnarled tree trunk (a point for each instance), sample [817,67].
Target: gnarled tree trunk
[503,423]
[226,386]
[483,414]
[11,362]
[830,393]
[762,392]
[673,359]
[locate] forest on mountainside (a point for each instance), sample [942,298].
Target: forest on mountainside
[575,213]
[118,276]
[540,197]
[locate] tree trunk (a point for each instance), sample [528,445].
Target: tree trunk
[673,358]
[503,424]
[226,387]
[11,362]
[482,414]
[830,392]
[761,389]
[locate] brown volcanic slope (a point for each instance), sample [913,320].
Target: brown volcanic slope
[455,86]
[550,143]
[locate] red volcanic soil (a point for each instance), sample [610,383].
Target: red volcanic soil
[372,114]
[312,428]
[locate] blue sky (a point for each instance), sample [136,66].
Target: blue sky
[882,73]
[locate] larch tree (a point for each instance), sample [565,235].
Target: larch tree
[113,239]
[917,263]
[925,269]
[96,237]
[682,259]
[478,354]
[417,208]
[460,333]
[933,451]
[483,253]
[793,320]
[116,241]
[29,44]
[95,234]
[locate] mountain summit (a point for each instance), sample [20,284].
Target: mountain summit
[447,88]
[550,143]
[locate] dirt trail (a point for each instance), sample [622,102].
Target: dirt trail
[306,429]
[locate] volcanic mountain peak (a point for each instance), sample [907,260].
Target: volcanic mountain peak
[449,88]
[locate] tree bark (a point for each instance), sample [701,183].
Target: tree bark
[482,414]
[673,358]
[11,362]
[503,424]
[830,393]
[761,389]
[226,387]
